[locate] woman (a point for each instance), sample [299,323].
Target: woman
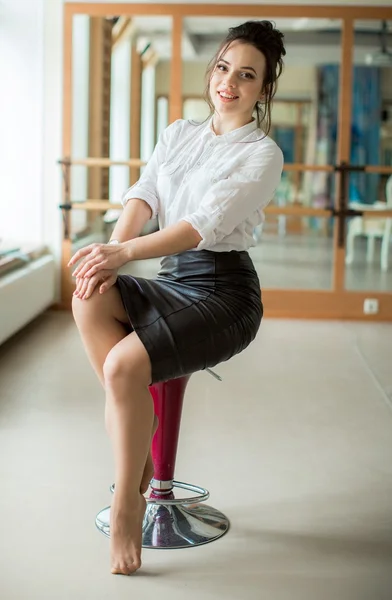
[208,185]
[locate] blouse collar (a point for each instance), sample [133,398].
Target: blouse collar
[237,135]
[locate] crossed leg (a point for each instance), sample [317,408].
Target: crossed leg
[123,367]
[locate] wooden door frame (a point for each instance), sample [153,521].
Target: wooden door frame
[336,303]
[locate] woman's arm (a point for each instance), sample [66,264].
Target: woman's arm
[171,240]
[231,201]
[132,220]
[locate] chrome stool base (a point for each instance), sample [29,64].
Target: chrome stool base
[171,523]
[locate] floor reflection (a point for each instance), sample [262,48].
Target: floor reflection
[301,262]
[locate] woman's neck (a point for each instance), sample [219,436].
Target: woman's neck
[220,125]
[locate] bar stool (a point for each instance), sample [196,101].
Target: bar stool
[171,522]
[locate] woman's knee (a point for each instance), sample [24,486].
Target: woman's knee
[83,309]
[99,306]
[127,363]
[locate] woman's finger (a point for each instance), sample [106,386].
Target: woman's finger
[82,270]
[80,266]
[79,283]
[103,277]
[85,286]
[110,281]
[83,289]
[92,283]
[82,252]
[95,268]
[78,270]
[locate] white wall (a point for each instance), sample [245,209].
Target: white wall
[52,129]
[22,119]
[192,73]
[30,141]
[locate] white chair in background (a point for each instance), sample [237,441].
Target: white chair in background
[371,228]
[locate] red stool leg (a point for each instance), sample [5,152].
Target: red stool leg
[172,522]
[168,400]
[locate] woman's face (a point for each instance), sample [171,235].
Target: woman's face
[237,81]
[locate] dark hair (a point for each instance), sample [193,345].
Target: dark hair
[269,41]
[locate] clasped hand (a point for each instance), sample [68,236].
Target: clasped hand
[99,266]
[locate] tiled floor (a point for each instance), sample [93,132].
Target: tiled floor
[295,446]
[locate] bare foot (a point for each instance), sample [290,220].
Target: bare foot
[126,522]
[149,468]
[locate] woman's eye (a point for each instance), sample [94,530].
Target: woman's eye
[244,75]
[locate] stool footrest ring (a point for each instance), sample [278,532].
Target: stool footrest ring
[203,495]
[176,523]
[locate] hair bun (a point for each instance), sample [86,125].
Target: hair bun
[262,34]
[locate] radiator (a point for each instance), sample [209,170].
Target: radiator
[25,293]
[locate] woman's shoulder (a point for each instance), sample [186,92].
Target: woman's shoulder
[264,148]
[265,140]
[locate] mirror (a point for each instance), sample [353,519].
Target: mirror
[121,87]
[367,242]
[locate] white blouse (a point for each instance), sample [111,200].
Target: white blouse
[220,184]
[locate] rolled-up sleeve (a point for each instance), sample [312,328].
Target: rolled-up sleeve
[146,187]
[231,201]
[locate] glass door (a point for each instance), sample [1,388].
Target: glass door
[315,253]
[369,185]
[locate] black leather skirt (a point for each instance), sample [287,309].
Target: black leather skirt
[201,309]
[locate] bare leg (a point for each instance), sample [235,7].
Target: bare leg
[102,323]
[148,472]
[127,374]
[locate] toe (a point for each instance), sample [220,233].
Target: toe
[126,568]
[116,571]
[122,569]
